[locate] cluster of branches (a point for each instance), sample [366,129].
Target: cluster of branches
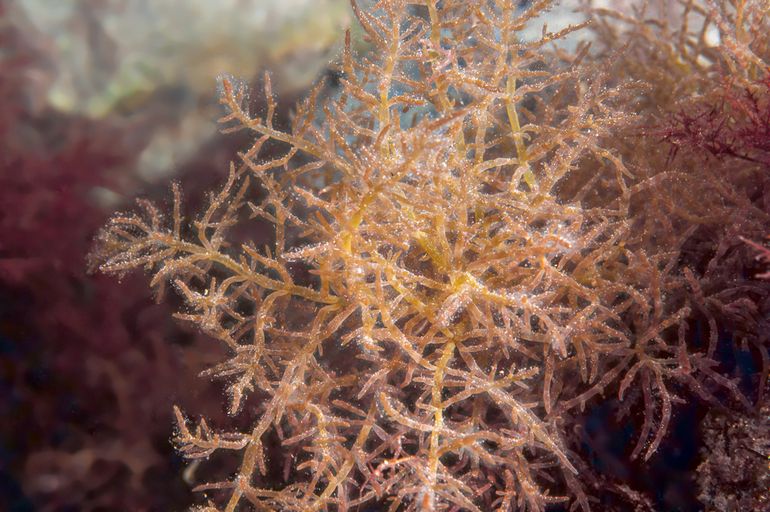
[461,260]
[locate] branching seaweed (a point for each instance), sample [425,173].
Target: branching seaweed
[460,255]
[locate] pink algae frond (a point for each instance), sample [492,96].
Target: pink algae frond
[464,252]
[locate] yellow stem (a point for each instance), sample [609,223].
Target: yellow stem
[438,412]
